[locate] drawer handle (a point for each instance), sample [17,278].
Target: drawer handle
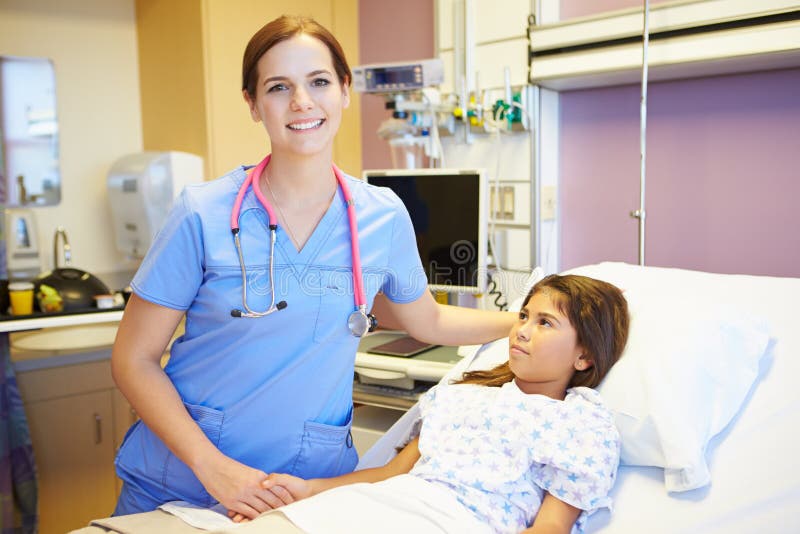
[98,429]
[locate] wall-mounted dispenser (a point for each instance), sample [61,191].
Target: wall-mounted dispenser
[141,188]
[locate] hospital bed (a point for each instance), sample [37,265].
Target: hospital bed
[706,398]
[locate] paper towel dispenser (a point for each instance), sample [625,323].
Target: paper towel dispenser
[141,188]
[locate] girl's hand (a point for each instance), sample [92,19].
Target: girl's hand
[285,488]
[237,487]
[281,484]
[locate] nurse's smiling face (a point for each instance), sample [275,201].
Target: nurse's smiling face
[299,97]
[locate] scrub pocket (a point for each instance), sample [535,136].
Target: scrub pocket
[337,301]
[325,451]
[146,462]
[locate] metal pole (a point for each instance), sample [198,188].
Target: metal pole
[533,102]
[640,213]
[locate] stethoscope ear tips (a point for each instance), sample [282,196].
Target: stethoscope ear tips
[236,313]
[281,305]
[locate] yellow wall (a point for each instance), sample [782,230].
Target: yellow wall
[347,151]
[172,75]
[92,44]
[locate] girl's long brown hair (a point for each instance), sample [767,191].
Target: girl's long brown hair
[596,310]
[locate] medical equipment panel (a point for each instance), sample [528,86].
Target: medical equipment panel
[449,210]
[400,76]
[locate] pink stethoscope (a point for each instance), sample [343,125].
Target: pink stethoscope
[359,321]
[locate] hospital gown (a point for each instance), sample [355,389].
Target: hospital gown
[499,449]
[487,456]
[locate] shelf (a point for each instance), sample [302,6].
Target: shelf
[430,366]
[383,401]
[687,40]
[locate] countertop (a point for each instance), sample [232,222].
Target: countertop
[27,360]
[115,281]
[50,320]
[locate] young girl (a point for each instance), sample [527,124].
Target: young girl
[526,446]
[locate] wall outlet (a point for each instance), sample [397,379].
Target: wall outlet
[548,203]
[509,203]
[502,203]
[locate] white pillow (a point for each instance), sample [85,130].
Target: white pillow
[692,356]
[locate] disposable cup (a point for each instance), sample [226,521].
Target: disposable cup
[21,296]
[104,301]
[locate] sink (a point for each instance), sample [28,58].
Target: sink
[65,339]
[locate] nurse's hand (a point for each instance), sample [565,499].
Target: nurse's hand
[238,487]
[286,488]
[279,483]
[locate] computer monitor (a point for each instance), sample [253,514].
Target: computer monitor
[449,210]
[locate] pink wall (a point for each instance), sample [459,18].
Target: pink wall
[722,174]
[579,8]
[389,31]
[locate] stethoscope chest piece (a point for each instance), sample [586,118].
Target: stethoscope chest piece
[360,322]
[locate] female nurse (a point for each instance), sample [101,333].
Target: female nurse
[246,393]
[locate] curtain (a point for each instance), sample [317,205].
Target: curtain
[17,468]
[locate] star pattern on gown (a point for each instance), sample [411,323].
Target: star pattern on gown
[499,450]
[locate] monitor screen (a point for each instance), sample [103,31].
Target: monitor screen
[448,208]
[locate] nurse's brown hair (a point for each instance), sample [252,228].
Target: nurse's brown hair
[283,28]
[596,310]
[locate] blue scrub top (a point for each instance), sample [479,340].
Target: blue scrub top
[274,393]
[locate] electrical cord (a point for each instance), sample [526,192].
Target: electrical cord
[499,300]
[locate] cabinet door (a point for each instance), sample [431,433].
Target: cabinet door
[73,445]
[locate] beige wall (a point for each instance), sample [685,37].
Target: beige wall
[93,46]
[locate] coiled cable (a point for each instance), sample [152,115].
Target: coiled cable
[499,299]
